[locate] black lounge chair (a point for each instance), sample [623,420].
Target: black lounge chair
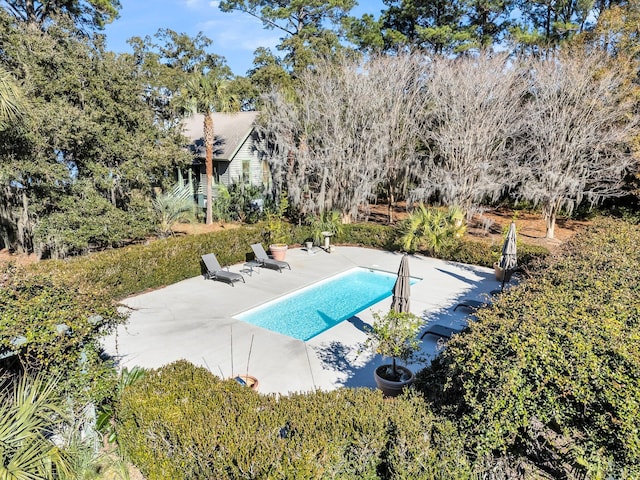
[216,272]
[472,305]
[265,260]
[441,331]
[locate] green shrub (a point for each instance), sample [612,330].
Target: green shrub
[136,268]
[367,235]
[29,414]
[550,372]
[173,206]
[182,422]
[54,326]
[484,254]
[431,229]
[242,205]
[89,223]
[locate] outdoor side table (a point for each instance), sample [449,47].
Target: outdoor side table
[249,267]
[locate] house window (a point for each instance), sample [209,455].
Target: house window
[246,170]
[266,174]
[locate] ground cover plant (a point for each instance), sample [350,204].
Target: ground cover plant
[548,377]
[53,326]
[182,422]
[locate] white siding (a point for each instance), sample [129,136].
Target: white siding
[246,153]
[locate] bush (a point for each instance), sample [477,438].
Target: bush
[54,327]
[182,422]
[431,229]
[550,372]
[136,268]
[242,203]
[485,254]
[367,235]
[89,223]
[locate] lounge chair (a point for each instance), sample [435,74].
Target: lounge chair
[441,331]
[216,272]
[472,305]
[265,260]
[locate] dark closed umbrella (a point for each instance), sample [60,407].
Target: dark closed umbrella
[509,258]
[400,301]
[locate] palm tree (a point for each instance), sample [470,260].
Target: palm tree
[173,206]
[29,412]
[207,93]
[12,102]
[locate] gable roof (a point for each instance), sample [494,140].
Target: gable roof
[230,130]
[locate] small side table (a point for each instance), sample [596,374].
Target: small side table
[249,267]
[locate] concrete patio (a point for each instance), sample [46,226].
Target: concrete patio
[193,320]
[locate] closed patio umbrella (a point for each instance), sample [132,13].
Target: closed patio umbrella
[509,257]
[400,302]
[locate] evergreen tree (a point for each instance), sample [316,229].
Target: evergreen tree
[93,14]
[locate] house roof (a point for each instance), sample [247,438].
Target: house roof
[230,130]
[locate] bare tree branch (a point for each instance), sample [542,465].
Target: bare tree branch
[352,129]
[579,122]
[474,119]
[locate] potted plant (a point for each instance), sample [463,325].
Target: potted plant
[394,335]
[276,233]
[502,275]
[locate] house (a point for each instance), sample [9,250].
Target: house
[236,157]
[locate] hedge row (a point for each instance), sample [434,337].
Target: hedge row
[136,268]
[181,422]
[550,374]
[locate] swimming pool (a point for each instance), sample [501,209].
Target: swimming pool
[307,312]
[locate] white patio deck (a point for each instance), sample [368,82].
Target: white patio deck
[193,320]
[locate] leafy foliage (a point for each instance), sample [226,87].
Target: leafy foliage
[12,101]
[94,14]
[86,221]
[243,206]
[277,228]
[347,433]
[29,411]
[549,373]
[394,335]
[53,325]
[172,207]
[431,229]
[311,30]
[330,221]
[106,418]
[89,138]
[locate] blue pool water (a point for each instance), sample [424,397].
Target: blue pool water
[312,310]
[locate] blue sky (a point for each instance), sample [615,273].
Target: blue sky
[235,35]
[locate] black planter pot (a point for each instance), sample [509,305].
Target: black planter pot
[391,388]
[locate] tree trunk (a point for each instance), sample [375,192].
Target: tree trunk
[208,162]
[550,212]
[24,227]
[392,203]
